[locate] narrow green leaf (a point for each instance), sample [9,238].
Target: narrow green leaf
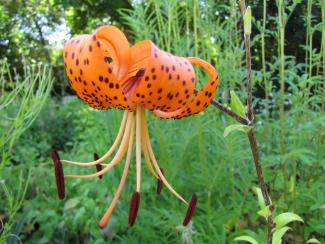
[260,198]
[313,240]
[264,212]
[285,218]
[246,238]
[292,183]
[278,234]
[236,105]
[236,127]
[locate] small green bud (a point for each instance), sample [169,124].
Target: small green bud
[248,21]
[236,105]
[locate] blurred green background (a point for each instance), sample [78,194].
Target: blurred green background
[38,112]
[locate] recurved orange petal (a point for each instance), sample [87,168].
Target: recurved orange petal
[201,100]
[168,81]
[94,65]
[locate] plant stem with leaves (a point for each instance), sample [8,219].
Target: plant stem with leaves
[251,135]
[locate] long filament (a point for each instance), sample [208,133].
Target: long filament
[118,156]
[138,147]
[111,207]
[154,161]
[111,150]
[144,144]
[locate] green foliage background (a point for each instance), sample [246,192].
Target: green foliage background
[193,152]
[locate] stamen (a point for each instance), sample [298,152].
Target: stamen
[110,209]
[118,156]
[160,183]
[190,210]
[143,141]
[59,175]
[138,147]
[134,207]
[154,161]
[98,166]
[111,150]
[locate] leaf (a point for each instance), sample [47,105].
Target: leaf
[16,229]
[292,183]
[260,198]
[236,105]
[236,127]
[313,240]
[246,238]
[265,212]
[278,234]
[303,154]
[285,218]
[71,203]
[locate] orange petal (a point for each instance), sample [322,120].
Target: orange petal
[94,64]
[168,82]
[201,100]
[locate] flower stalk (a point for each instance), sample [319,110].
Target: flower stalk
[249,119]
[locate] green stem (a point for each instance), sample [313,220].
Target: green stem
[281,33]
[160,22]
[195,10]
[323,52]
[320,136]
[266,83]
[310,5]
[170,14]
[187,26]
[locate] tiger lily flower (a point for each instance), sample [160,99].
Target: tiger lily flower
[106,73]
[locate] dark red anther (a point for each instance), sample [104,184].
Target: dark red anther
[134,207]
[190,210]
[59,175]
[160,183]
[98,166]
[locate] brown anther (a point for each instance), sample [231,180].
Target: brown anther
[134,207]
[59,175]
[98,166]
[160,183]
[190,210]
